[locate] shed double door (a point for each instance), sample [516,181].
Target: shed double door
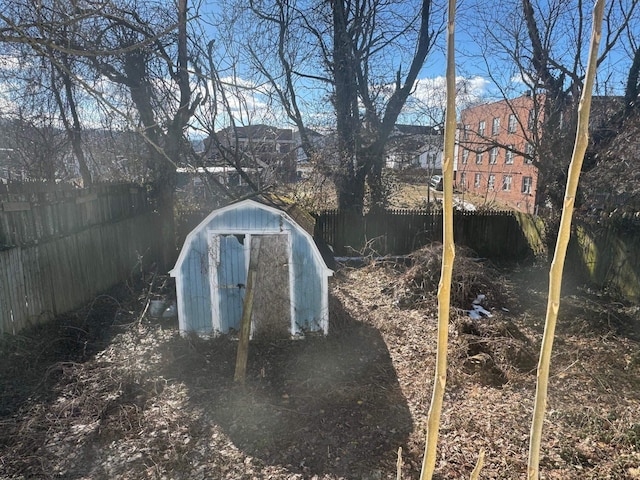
[269,255]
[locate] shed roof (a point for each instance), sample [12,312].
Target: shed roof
[296,215]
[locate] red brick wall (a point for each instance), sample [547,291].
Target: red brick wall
[488,160]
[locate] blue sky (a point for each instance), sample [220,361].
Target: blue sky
[427,103]
[478,71]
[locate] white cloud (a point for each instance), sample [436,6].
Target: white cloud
[431,92]
[429,98]
[472,89]
[10,63]
[238,82]
[7,104]
[247,102]
[522,83]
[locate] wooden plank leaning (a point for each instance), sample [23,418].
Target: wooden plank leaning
[245,322]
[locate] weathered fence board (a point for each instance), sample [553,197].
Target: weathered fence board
[54,214]
[606,254]
[68,246]
[5,295]
[496,235]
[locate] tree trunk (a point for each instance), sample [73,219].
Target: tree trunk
[558,131]
[351,186]
[448,257]
[76,144]
[162,155]
[165,196]
[75,132]
[351,190]
[379,195]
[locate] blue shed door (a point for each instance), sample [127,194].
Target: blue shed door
[232,277]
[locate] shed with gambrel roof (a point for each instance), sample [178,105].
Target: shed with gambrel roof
[291,284]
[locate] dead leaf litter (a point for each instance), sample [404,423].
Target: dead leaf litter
[105,393]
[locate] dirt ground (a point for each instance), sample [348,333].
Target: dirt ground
[108,392]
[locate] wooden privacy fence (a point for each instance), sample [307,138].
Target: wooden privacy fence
[59,247]
[605,252]
[497,235]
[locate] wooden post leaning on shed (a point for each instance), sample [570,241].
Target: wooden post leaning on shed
[555,273]
[245,322]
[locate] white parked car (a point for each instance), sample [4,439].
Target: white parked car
[436,182]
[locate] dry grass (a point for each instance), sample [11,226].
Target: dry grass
[102,394]
[409,192]
[593,417]
[316,194]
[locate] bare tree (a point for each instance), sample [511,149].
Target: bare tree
[44,75]
[228,112]
[65,94]
[544,44]
[140,47]
[345,50]
[152,67]
[34,147]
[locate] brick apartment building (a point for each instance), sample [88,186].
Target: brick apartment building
[495,154]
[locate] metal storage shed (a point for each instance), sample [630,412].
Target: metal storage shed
[291,283]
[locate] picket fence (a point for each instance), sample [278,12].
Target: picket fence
[60,246]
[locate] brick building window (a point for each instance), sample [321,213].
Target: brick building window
[509,155]
[511,127]
[529,152]
[527,185]
[493,157]
[479,158]
[506,183]
[491,182]
[477,179]
[465,155]
[481,128]
[495,126]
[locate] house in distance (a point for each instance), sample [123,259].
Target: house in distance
[415,146]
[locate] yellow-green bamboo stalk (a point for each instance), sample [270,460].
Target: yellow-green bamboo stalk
[557,265]
[475,474]
[448,255]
